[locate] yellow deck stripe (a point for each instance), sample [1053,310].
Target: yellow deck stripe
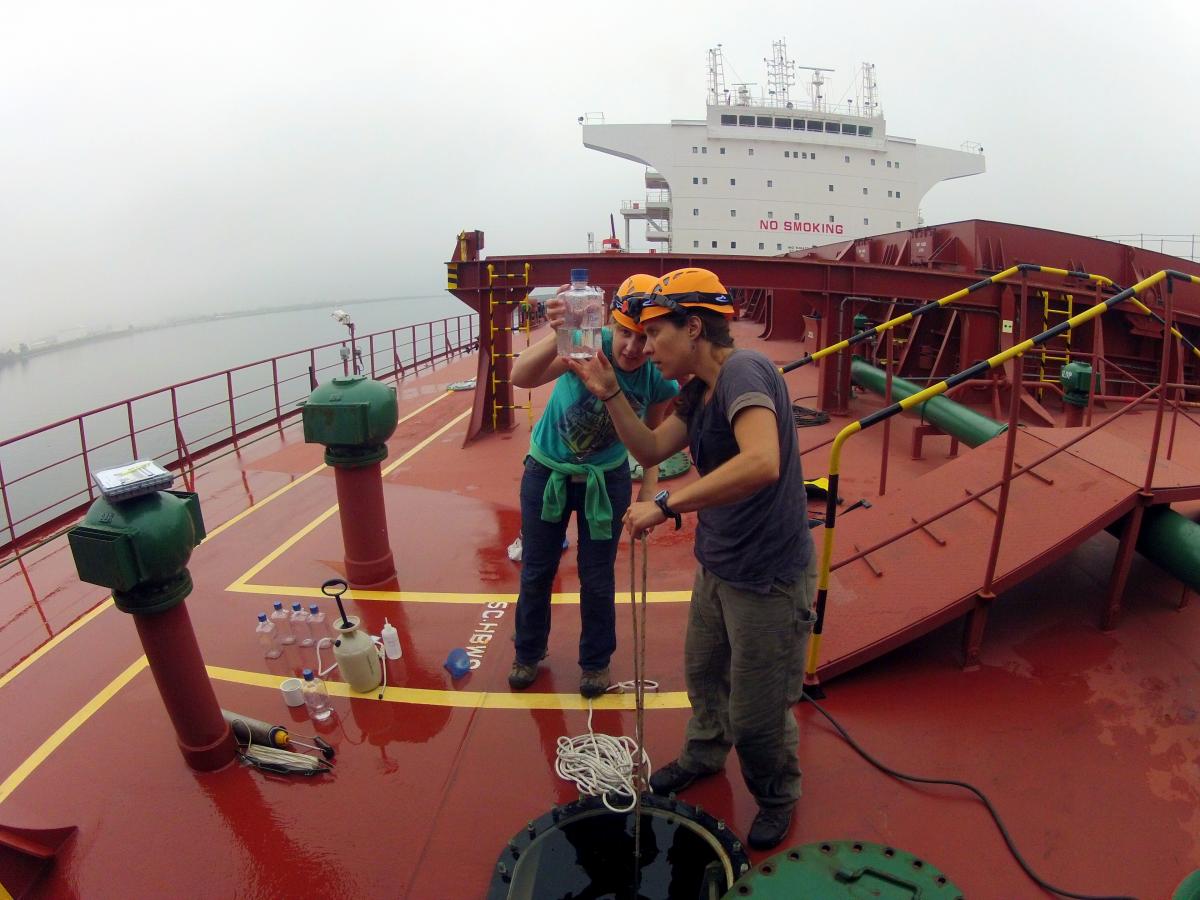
[436,596]
[5,895]
[466,699]
[52,643]
[282,548]
[85,619]
[309,474]
[67,728]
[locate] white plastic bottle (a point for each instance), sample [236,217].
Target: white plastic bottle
[580,336]
[316,626]
[316,697]
[391,640]
[299,623]
[283,624]
[267,638]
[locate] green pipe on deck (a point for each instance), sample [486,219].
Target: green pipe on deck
[1171,542]
[953,418]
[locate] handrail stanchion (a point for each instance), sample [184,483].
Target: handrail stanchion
[232,415]
[83,452]
[1163,378]
[8,516]
[395,358]
[275,385]
[132,430]
[887,425]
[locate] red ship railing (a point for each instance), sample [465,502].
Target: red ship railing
[45,473]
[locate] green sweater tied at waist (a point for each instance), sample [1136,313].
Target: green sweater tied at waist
[597,508]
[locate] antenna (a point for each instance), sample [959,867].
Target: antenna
[742,90]
[815,87]
[781,73]
[716,77]
[870,91]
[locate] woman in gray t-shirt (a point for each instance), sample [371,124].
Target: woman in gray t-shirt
[751,608]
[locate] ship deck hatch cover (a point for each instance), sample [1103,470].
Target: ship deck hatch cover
[585,850]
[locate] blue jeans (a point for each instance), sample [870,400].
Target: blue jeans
[541,549]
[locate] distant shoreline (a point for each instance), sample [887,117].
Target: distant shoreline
[11,356]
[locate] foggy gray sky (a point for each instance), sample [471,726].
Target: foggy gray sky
[160,158]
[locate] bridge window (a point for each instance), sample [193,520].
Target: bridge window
[849,129]
[783,123]
[728,120]
[813,125]
[833,128]
[865,130]
[746,120]
[763,122]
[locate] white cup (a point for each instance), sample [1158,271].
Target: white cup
[293,691]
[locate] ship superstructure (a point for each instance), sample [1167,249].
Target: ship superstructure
[764,173]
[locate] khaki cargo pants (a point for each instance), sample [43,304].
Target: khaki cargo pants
[744,663]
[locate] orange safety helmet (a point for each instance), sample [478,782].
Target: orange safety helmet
[627,301]
[676,291]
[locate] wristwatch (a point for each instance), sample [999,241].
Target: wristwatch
[660,500]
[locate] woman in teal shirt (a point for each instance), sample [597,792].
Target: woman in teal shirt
[577,463]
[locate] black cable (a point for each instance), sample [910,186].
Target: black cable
[1012,847]
[805,417]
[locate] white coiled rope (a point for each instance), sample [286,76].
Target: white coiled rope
[601,765]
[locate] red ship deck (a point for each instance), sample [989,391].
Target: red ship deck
[1085,740]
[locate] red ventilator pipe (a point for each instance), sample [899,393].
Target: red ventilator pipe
[369,562]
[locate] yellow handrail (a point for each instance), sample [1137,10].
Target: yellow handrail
[941,387]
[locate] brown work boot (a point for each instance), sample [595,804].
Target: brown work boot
[673,778]
[594,682]
[770,826]
[522,675]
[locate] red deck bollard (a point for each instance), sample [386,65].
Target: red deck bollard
[139,548]
[368,557]
[353,417]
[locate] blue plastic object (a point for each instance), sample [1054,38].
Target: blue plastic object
[579,275]
[458,663]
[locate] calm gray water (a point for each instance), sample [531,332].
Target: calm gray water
[57,385]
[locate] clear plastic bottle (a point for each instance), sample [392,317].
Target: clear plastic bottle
[267,638]
[316,626]
[316,697]
[580,336]
[299,623]
[283,624]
